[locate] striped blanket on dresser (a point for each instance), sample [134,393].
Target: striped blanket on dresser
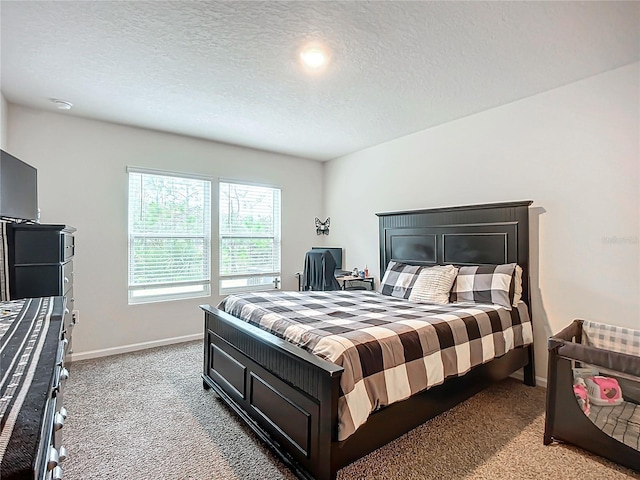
[28,352]
[390,348]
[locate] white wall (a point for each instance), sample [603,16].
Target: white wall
[83,182]
[4,130]
[574,151]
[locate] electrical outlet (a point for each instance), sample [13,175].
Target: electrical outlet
[75,316]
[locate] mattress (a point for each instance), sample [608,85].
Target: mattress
[621,422]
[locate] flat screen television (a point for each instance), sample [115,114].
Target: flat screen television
[18,190]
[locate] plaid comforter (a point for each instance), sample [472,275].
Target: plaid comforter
[390,348]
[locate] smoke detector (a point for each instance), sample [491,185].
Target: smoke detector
[62,104]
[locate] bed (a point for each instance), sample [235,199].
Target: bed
[290,397]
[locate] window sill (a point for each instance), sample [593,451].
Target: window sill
[166,298]
[232,291]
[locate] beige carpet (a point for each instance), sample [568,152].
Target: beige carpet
[145,415]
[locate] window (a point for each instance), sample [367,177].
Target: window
[249,237]
[169,236]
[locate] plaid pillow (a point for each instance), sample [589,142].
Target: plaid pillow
[399,279]
[485,284]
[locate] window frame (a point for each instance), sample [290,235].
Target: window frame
[176,294]
[277,239]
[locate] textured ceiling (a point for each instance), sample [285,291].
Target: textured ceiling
[227,71]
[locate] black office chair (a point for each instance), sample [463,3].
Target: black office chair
[319,271]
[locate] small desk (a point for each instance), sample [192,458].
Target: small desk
[352,278]
[343,281]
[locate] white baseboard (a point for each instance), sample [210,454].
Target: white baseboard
[540,381]
[134,347]
[105,352]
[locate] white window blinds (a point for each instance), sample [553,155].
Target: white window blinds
[169,236]
[249,237]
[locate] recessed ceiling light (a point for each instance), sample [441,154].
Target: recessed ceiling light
[314,57]
[62,104]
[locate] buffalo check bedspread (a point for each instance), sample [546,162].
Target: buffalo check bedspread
[390,348]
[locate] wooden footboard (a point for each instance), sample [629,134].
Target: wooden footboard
[288,396]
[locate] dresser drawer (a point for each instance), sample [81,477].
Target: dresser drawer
[61,373]
[54,453]
[68,246]
[67,319]
[67,329]
[31,281]
[38,245]
[46,460]
[40,260]
[67,277]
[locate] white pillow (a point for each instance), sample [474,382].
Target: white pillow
[517,287]
[433,285]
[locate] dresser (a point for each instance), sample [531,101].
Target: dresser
[41,265]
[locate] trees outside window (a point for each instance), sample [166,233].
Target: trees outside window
[249,237]
[169,236]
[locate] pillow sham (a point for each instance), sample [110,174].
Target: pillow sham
[485,284]
[433,285]
[517,285]
[398,279]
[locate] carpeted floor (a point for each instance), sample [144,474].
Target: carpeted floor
[145,415]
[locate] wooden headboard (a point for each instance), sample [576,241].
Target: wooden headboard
[492,233]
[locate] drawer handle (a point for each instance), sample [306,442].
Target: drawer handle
[62,454]
[64,375]
[57,474]
[53,458]
[58,423]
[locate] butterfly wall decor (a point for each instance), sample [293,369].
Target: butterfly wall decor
[322,228]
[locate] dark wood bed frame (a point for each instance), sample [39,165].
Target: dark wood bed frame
[289,397]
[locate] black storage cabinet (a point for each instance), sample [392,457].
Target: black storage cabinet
[40,260]
[41,265]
